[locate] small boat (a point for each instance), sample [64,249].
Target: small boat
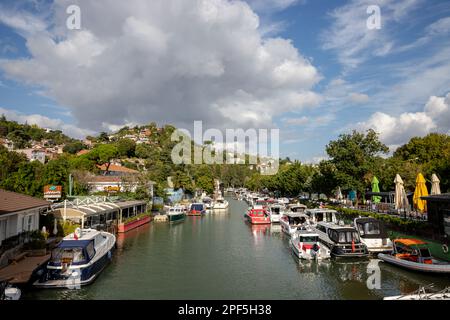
[413,254]
[257,216]
[77,260]
[197,209]
[260,203]
[423,294]
[306,245]
[373,234]
[275,212]
[9,292]
[343,241]
[291,222]
[220,204]
[176,214]
[207,201]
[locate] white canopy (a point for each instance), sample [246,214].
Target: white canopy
[401,200]
[435,188]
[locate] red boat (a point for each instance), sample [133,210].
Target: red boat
[257,216]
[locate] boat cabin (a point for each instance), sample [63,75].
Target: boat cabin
[319,215]
[370,228]
[296,207]
[295,218]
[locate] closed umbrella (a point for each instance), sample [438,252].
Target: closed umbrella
[401,200]
[339,195]
[421,191]
[435,188]
[375,188]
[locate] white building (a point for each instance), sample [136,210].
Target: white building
[19,213]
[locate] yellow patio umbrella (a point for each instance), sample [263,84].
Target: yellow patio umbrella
[421,191]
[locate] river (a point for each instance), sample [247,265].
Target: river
[219,256]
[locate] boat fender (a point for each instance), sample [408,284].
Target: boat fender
[445,248]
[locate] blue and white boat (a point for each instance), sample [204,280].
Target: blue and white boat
[77,260]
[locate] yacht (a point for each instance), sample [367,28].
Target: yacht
[290,222]
[306,245]
[373,234]
[275,212]
[296,207]
[257,216]
[343,241]
[220,204]
[77,260]
[176,214]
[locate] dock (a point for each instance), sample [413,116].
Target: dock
[20,272]
[160,218]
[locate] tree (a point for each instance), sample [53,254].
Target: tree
[103,154]
[19,138]
[126,148]
[354,155]
[74,147]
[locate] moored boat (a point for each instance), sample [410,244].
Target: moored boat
[373,234]
[220,204]
[319,215]
[423,294]
[343,241]
[292,221]
[257,216]
[176,214]
[275,212]
[197,209]
[9,292]
[306,245]
[413,254]
[78,259]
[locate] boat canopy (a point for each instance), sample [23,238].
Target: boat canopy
[74,243]
[410,242]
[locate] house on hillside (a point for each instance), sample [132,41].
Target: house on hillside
[34,154]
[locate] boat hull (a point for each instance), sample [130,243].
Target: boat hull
[88,275]
[125,227]
[176,217]
[258,220]
[415,266]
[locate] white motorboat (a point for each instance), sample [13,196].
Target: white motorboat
[275,212]
[296,207]
[343,241]
[220,204]
[9,292]
[292,221]
[176,214]
[78,259]
[306,245]
[373,234]
[423,294]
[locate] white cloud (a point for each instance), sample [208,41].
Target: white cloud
[349,36]
[166,61]
[395,131]
[45,122]
[358,97]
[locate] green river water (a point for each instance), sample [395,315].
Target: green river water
[219,256]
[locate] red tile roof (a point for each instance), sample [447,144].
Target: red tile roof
[106,179]
[14,202]
[117,168]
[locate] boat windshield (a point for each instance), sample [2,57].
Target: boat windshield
[344,236]
[68,255]
[275,210]
[309,239]
[369,228]
[197,207]
[297,220]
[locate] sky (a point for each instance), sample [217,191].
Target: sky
[312,68]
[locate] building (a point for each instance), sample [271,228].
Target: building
[19,213]
[116,170]
[438,211]
[33,154]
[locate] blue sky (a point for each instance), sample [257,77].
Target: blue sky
[316,71]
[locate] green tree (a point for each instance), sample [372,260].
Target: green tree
[126,148]
[354,155]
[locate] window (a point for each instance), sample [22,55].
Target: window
[308,239]
[68,255]
[3,229]
[90,250]
[369,228]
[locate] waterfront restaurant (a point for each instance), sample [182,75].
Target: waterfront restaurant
[100,214]
[438,211]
